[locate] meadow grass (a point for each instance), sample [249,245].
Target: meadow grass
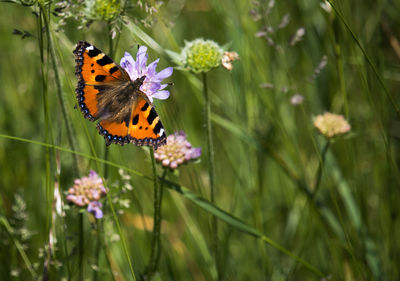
[270,198]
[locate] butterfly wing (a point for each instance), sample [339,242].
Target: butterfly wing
[105,93]
[144,127]
[93,70]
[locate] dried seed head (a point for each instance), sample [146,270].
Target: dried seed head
[228,58]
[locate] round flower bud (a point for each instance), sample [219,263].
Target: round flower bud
[202,55]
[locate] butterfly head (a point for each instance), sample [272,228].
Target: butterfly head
[138,82]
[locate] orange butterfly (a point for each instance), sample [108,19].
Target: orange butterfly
[107,93]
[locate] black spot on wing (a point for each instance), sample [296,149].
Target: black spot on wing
[158,127]
[152,115]
[145,106]
[94,52]
[113,69]
[100,78]
[135,119]
[104,60]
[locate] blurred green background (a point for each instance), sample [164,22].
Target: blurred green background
[267,152]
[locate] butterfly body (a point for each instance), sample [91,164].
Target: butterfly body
[106,93]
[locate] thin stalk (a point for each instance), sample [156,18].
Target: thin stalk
[211,170]
[111,54]
[43,22]
[369,61]
[101,244]
[105,166]
[339,66]
[124,246]
[67,124]
[155,240]
[60,95]
[81,246]
[97,250]
[320,168]
[10,231]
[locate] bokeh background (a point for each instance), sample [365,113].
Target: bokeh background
[269,158]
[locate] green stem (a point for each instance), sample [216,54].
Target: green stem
[339,66]
[105,166]
[369,61]
[101,243]
[156,241]
[20,248]
[320,168]
[111,54]
[81,246]
[43,22]
[97,250]
[60,95]
[211,170]
[124,246]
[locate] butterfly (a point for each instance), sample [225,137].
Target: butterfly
[106,94]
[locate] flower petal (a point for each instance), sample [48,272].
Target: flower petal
[165,73]
[94,207]
[141,59]
[151,68]
[161,95]
[128,63]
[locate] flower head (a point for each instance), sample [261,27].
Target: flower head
[331,125]
[202,55]
[228,58]
[177,151]
[103,9]
[151,86]
[87,191]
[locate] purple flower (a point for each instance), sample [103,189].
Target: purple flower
[152,86]
[87,191]
[177,151]
[94,207]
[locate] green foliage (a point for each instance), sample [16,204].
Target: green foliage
[290,203]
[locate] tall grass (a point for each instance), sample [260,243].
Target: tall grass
[290,204]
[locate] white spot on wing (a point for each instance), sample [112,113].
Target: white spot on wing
[161,132]
[89,48]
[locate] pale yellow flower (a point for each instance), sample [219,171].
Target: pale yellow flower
[331,125]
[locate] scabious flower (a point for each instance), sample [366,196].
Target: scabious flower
[331,125]
[201,55]
[87,191]
[152,86]
[177,151]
